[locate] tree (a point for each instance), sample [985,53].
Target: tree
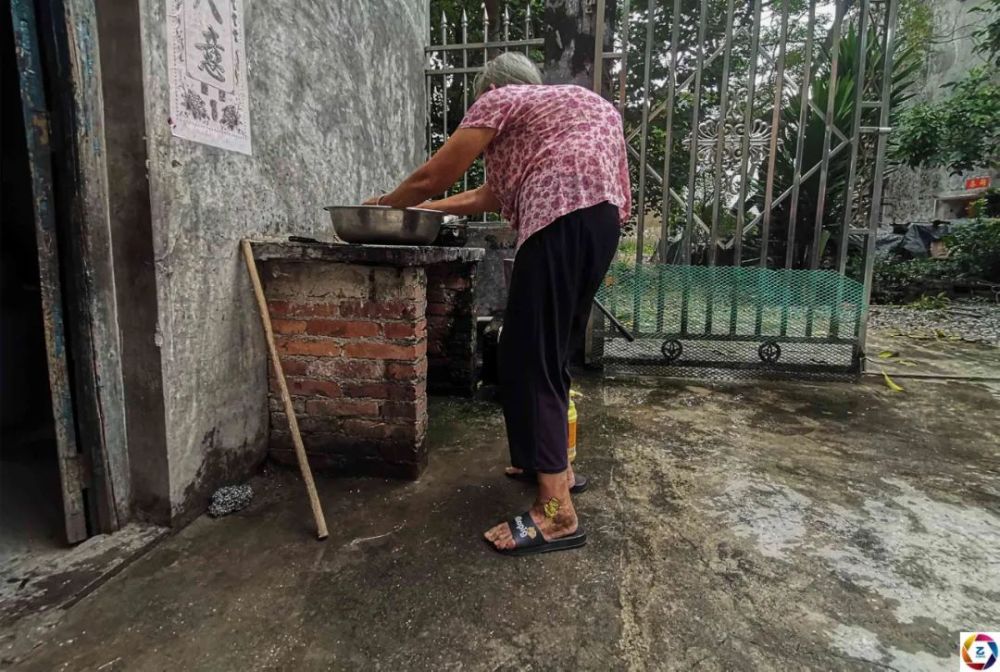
[961,132]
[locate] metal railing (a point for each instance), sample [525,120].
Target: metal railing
[739,143]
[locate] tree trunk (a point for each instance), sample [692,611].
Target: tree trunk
[570,28]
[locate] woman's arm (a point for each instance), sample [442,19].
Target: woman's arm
[441,170]
[472,202]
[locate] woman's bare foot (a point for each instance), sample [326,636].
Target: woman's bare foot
[552,513]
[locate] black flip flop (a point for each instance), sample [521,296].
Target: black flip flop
[528,538]
[580,483]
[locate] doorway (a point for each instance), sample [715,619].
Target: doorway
[31,517]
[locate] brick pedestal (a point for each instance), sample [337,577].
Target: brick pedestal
[451,328]
[351,326]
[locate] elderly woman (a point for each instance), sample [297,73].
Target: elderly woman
[556,170]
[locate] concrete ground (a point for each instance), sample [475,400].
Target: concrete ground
[735,526]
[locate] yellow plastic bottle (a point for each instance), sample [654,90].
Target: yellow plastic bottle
[572,431]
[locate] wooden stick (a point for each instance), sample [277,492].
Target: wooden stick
[293,423]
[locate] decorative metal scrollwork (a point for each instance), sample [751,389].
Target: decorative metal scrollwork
[672,350]
[758,138]
[769,352]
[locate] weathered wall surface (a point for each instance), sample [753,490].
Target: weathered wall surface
[132,244]
[910,193]
[336,105]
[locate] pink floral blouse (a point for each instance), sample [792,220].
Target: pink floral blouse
[557,149]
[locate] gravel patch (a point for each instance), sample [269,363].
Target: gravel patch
[230,499]
[969,321]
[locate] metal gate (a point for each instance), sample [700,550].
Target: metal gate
[757,135]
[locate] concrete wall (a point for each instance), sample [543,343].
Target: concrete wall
[910,193]
[132,245]
[336,105]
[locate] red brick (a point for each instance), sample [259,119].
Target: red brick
[408,431]
[374,350]
[288,326]
[380,391]
[404,410]
[300,346]
[405,329]
[406,371]
[300,309]
[342,407]
[294,367]
[345,369]
[366,429]
[342,328]
[308,387]
[397,310]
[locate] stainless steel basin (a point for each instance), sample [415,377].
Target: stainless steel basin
[381,225]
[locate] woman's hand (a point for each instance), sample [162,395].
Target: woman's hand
[374,200]
[441,170]
[472,202]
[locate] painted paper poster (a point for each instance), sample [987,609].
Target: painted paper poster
[207,67]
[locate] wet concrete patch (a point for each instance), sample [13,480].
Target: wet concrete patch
[752,526]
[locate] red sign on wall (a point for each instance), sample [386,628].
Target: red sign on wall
[977,183]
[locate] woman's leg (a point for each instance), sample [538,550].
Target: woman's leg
[555,270]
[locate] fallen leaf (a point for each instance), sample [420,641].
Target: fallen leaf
[890,384]
[887,354]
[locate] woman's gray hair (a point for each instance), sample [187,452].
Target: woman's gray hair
[507,68]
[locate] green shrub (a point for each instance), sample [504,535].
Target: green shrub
[975,250]
[974,254]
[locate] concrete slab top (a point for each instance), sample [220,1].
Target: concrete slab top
[378,255]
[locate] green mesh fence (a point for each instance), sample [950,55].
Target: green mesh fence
[730,318]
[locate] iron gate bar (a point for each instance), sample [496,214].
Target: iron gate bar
[643,164]
[527,28]
[668,147]
[824,171]
[668,142]
[745,156]
[800,140]
[814,311]
[489,44]
[859,106]
[598,46]
[737,366]
[465,83]
[812,104]
[875,213]
[751,338]
[775,124]
[695,114]
[444,83]
[713,248]
[805,176]
[720,142]
[623,70]
[745,147]
[693,161]
[658,110]
[859,84]
[644,137]
[673,194]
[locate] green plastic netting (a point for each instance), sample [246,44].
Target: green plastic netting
[725,317]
